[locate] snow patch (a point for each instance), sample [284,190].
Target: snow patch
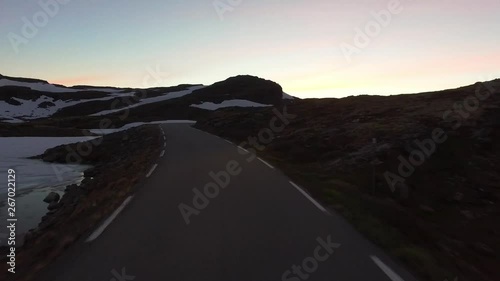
[167,96]
[29,109]
[136,124]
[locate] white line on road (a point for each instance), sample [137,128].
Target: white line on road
[164,138]
[164,144]
[228,141]
[108,221]
[162,153]
[310,198]
[269,165]
[152,170]
[391,274]
[243,149]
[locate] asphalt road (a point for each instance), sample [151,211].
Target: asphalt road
[259,227]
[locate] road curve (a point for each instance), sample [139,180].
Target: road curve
[260,227]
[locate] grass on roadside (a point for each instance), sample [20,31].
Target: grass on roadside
[361,215]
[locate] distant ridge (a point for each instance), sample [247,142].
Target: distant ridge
[22,79]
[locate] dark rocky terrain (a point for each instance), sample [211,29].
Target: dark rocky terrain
[442,220]
[244,87]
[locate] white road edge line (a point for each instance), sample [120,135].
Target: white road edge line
[162,153]
[108,221]
[152,170]
[388,271]
[318,205]
[269,165]
[228,141]
[243,149]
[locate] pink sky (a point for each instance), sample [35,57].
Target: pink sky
[429,45]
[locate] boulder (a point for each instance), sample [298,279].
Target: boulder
[52,197]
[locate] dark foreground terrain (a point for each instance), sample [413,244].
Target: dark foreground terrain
[119,161]
[437,213]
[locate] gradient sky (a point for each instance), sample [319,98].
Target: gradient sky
[430,45]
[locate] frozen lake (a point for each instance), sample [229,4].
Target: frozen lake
[34,178]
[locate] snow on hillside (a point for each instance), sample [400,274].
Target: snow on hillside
[165,97]
[45,106]
[229,103]
[20,109]
[29,109]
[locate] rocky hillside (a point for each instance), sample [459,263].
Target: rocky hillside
[243,87]
[23,100]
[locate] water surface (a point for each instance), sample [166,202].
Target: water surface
[34,178]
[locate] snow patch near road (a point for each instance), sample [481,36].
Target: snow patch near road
[136,124]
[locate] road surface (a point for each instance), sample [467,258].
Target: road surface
[260,227]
